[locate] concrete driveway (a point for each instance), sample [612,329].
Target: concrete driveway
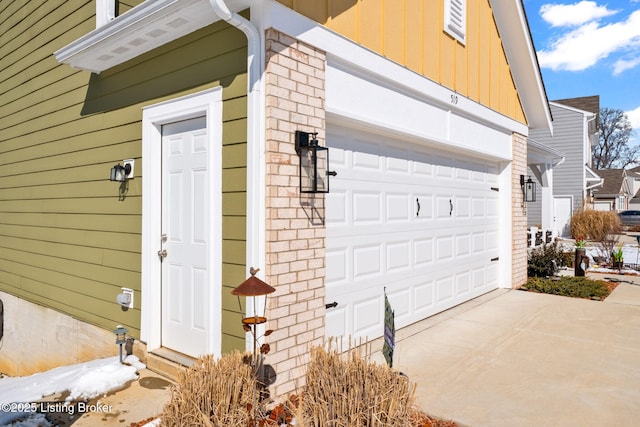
[515,358]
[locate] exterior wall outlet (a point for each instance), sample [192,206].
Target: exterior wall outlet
[125,299]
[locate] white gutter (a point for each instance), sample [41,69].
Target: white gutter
[255,239]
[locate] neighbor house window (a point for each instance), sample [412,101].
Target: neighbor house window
[455,19]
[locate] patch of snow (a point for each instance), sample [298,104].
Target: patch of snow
[83,381]
[33,420]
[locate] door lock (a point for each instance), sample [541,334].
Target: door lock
[162,254]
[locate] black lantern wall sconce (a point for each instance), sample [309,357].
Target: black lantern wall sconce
[528,189]
[120,173]
[314,163]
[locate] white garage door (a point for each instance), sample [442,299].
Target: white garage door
[422,224]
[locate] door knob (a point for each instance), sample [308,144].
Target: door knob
[162,254]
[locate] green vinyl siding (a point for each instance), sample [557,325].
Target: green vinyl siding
[67,240]
[122,6]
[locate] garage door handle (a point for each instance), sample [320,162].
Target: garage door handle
[418,203]
[332,305]
[332,173]
[450,207]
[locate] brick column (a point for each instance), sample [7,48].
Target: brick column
[519,211]
[295,227]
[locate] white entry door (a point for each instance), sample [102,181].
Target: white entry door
[186,216]
[562,215]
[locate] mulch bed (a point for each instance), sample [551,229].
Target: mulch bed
[282,416]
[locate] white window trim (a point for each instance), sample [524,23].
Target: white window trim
[455,19]
[208,103]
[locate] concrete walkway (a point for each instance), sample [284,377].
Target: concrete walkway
[509,358]
[515,358]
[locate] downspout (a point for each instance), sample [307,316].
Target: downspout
[255,228]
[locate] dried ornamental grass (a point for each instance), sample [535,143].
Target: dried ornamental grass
[345,390]
[213,393]
[595,225]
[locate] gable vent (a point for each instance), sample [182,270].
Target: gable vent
[455,19]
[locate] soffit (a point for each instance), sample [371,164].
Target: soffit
[147,26]
[516,39]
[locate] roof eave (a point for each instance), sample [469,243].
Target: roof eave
[511,20]
[147,26]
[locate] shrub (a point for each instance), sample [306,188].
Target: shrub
[347,390]
[213,392]
[568,286]
[595,225]
[545,260]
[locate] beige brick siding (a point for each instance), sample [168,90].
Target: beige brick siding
[294,91]
[519,211]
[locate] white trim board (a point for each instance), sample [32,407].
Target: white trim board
[342,50]
[208,103]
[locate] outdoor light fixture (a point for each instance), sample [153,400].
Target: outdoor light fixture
[121,337]
[120,173]
[528,189]
[314,163]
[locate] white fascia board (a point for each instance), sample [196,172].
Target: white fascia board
[513,27]
[587,114]
[540,153]
[147,26]
[346,54]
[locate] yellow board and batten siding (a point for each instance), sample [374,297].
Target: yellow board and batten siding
[411,33]
[66,240]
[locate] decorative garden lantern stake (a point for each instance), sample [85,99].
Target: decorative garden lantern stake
[254,287]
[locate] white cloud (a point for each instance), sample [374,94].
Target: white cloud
[624,64]
[561,15]
[584,46]
[634,117]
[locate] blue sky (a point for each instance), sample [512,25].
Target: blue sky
[590,47]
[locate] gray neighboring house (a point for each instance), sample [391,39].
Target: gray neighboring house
[575,130]
[615,193]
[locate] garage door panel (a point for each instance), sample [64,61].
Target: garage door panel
[419,224]
[337,260]
[366,207]
[444,248]
[397,164]
[337,320]
[365,162]
[423,251]
[336,207]
[398,207]
[401,302]
[422,166]
[424,206]
[367,315]
[462,207]
[444,289]
[398,256]
[463,283]
[463,245]
[423,297]
[367,260]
